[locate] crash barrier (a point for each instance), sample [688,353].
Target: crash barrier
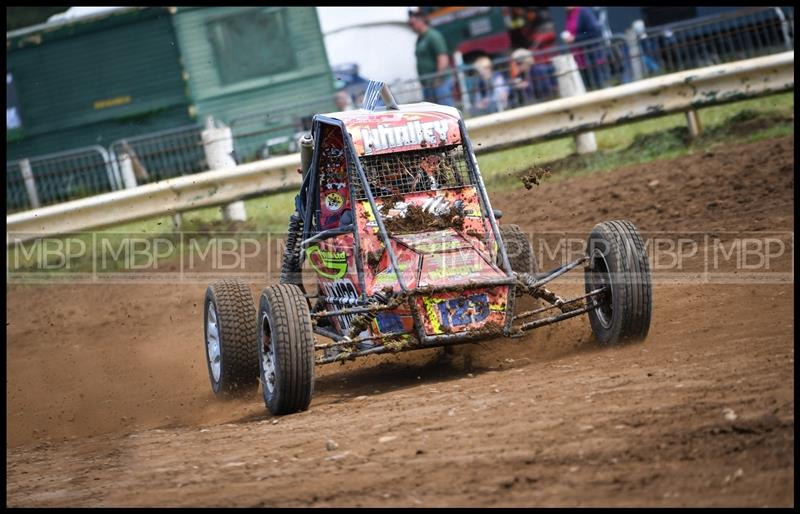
[646,98]
[507,84]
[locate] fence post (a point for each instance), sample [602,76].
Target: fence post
[693,121]
[634,53]
[30,183]
[126,169]
[466,102]
[570,83]
[218,146]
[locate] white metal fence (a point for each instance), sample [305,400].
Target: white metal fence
[59,177]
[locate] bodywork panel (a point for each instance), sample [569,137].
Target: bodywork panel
[442,255]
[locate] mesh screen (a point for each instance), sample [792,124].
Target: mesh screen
[401,173]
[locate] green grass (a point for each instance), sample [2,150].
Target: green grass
[665,137]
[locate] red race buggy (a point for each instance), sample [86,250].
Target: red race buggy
[395,225]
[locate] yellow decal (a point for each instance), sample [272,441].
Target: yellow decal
[334,264]
[112,102]
[433,316]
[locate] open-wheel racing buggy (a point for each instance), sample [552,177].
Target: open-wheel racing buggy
[406,251]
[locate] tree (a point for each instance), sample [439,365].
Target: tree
[21,17]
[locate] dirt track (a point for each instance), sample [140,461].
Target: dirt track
[109,402]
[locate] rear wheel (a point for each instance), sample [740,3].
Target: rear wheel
[285,349]
[618,262]
[518,249]
[230,329]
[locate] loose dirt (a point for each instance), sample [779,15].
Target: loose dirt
[108,400]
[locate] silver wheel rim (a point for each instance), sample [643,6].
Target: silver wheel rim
[267,356]
[604,311]
[212,343]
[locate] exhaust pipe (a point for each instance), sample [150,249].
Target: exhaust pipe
[306,143]
[388,99]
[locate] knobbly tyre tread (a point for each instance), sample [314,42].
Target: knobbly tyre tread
[293,341]
[632,297]
[518,248]
[236,316]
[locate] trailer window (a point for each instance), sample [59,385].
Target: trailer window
[251,44]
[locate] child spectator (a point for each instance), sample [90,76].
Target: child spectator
[489,91]
[531,82]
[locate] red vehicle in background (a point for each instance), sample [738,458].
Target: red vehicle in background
[494,31]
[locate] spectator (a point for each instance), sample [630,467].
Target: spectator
[531,81]
[343,100]
[489,90]
[582,26]
[518,27]
[433,61]
[530,27]
[649,48]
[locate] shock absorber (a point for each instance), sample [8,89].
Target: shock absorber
[290,267]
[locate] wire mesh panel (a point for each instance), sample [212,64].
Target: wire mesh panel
[163,155]
[16,194]
[400,173]
[60,177]
[743,34]
[602,62]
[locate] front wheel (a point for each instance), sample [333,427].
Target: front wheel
[230,327]
[285,349]
[618,262]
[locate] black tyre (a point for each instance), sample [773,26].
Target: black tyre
[285,349]
[618,261]
[230,334]
[518,248]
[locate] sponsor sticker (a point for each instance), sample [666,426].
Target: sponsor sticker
[329,264]
[334,201]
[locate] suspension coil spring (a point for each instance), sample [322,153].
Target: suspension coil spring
[290,268]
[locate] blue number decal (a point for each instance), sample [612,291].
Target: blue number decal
[461,315]
[462,311]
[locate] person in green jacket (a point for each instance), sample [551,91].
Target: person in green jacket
[433,61]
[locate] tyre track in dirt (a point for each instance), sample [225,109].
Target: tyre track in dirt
[109,403]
